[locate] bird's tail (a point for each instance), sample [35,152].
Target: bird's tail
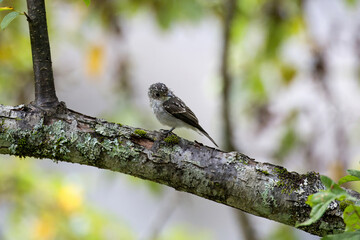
[208,136]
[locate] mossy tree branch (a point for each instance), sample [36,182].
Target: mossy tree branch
[230,178]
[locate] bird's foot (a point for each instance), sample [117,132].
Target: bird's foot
[166,132]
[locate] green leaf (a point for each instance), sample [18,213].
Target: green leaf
[319,203]
[348,178]
[328,182]
[6,8]
[333,187]
[8,19]
[354,176]
[352,218]
[340,192]
[353,172]
[87,2]
[1,1]
[343,236]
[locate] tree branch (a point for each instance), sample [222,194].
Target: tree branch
[230,178]
[45,95]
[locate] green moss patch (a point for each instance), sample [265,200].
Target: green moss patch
[172,139]
[290,181]
[140,132]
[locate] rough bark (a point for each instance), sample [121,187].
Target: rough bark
[45,95]
[230,178]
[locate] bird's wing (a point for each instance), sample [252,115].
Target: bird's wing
[177,108]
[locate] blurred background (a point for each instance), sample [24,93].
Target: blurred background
[277,80]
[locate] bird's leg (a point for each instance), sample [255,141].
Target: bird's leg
[169,131]
[165,133]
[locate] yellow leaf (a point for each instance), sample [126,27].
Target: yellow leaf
[95,61]
[6,8]
[70,198]
[44,228]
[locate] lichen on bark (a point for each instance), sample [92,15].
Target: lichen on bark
[230,178]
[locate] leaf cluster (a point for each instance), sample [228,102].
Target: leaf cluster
[320,202]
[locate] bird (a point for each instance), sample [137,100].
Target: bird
[172,111]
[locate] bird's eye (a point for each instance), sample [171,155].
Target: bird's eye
[157,94]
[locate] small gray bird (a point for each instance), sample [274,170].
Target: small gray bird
[172,111]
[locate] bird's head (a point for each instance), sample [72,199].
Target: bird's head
[159,91]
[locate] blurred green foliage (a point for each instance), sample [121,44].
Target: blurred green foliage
[154,188]
[15,59]
[37,204]
[274,22]
[183,233]
[283,232]
[352,3]
[289,139]
[41,205]
[166,12]
[87,2]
